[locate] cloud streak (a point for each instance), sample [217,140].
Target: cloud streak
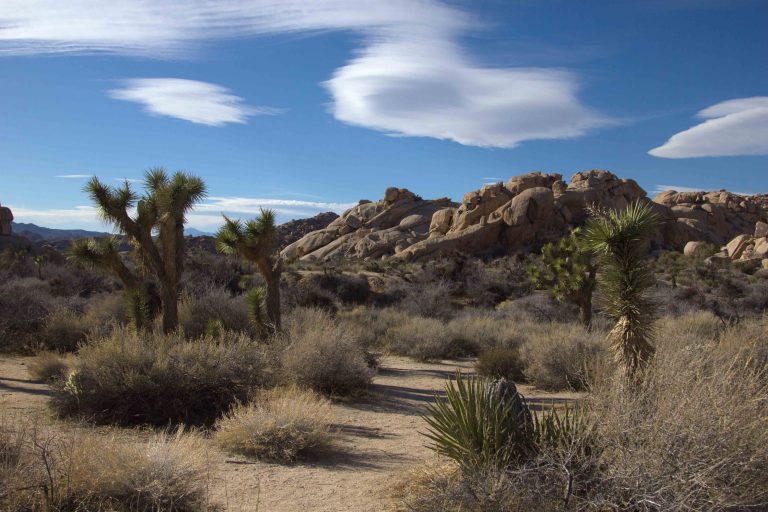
[205,216]
[410,77]
[73,176]
[190,100]
[732,128]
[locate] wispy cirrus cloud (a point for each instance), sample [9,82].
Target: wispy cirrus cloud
[190,100]
[73,176]
[410,77]
[731,128]
[205,216]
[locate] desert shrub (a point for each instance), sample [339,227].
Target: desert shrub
[369,325]
[24,306]
[561,356]
[48,366]
[67,280]
[279,424]
[539,307]
[474,330]
[88,471]
[133,378]
[422,338]
[503,362]
[694,326]
[428,299]
[198,311]
[322,355]
[692,436]
[62,330]
[104,312]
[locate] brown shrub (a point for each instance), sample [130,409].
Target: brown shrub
[499,362]
[49,366]
[148,378]
[88,471]
[322,355]
[279,424]
[560,356]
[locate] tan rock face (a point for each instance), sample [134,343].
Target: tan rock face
[694,248]
[525,212]
[6,216]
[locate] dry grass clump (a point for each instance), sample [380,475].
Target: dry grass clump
[49,366]
[88,471]
[561,356]
[693,435]
[134,378]
[62,330]
[214,304]
[279,424]
[322,355]
[498,362]
[422,338]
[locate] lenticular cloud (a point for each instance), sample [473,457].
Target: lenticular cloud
[410,77]
[732,128]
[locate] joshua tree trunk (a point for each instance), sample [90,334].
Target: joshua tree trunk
[271,269]
[170,298]
[630,346]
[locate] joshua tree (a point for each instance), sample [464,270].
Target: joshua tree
[567,269]
[162,209]
[620,242]
[256,241]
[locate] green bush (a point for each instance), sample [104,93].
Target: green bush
[134,378]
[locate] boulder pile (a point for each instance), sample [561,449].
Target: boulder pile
[518,215]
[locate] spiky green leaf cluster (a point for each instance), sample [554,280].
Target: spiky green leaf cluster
[620,241]
[475,428]
[563,267]
[252,239]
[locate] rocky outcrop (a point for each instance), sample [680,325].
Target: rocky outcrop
[372,229]
[6,216]
[520,214]
[293,230]
[746,251]
[714,217]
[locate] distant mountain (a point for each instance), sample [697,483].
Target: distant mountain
[37,233]
[196,232]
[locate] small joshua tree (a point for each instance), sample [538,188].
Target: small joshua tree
[620,241]
[161,210]
[256,241]
[567,269]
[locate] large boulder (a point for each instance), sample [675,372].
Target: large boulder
[6,216]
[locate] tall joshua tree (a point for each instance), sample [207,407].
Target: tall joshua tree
[620,241]
[162,210]
[256,241]
[567,269]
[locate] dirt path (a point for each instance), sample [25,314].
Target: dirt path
[379,440]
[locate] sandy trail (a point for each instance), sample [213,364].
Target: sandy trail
[379,441]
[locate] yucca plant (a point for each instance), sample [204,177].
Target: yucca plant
[619,239]
[256,241]
[567,269]
[162,211]
[479,425]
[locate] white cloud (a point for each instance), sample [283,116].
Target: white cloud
[73,176]
[732,128]
[197,102]
[658,189]
[411,77]
[205,216]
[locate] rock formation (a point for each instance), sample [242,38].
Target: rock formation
[372,229]
[6,216]
[520,214]
[293,230]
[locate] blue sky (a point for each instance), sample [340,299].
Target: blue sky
[306,106]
